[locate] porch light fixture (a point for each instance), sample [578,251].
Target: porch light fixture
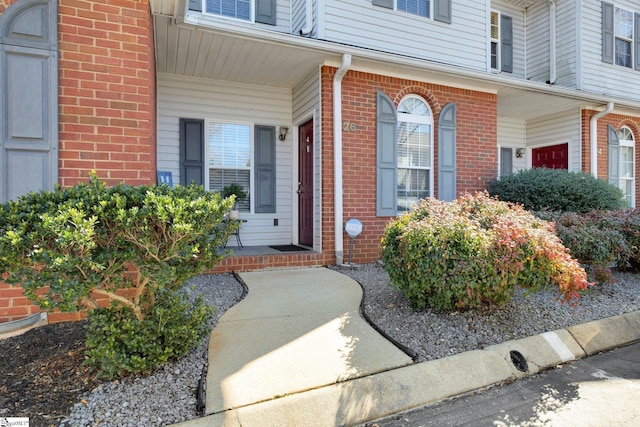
[283,133]
[519,153]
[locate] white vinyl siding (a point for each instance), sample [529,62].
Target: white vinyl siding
[299,17]
[512,134]
[185,97]
[360,23]
[597,76]
[306,105]
[538,42]
[557,129]
[283,18]
[517,16]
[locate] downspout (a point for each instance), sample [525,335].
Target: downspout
[308,24]
[337,156]
[593,137]
[552,42]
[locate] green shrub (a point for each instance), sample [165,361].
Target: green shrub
[557,190]
[473,253]
[118,343]
[70,247]
[594,239]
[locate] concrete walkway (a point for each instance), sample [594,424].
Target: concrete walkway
[295,352]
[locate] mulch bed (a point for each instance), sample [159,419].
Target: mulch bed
[42,373]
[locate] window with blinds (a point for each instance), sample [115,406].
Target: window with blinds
[229,157]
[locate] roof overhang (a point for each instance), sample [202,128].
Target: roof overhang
[191,44]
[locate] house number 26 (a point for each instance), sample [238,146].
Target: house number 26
[347,126]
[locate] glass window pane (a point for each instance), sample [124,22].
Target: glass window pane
[623,53]
[240,9]
[413,185]
[624,23]
[416,7]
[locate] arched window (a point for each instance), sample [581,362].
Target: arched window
[414,152]
[627,165]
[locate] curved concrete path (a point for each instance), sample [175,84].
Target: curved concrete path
[295,331]
[295,352]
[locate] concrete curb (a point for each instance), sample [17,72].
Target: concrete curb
[383,394]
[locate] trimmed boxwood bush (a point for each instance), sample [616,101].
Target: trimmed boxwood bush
[133,246]
[557,190]
[473,253]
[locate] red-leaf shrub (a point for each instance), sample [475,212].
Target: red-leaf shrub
[474,252]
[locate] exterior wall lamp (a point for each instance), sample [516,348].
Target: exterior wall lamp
[283,132]
[519,153]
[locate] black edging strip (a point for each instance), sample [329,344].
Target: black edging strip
[409,352]
[200,393]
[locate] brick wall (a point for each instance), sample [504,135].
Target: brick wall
[617,121]
[476,148]
[106,104]
[107,91]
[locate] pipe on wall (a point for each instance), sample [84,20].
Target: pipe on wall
[552,42]
[308,24]
[593,137]
[337,156]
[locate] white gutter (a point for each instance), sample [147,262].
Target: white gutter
[552,42]
[593,137]
[337,156]
[308,24]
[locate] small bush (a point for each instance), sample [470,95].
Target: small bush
[595,239]
[557,190]
[473,253]
[119,343]
[131,246]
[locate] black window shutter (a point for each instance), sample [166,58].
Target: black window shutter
[442,11]
[265,169]
[607,32]
[266,11]
[614,155]
[383,3]
[387,175]
[447,153]
[506,48]
[636,42]
[191,151]
[195,5]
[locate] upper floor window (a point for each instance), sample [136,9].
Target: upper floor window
[623,37]
[439,10]
[501,44]
[240,9]
[417,7]
[620,43]
[261,11]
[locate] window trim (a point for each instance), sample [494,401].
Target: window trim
[207,167]
[498,41]
[439,10]
[630,41]
[252,13]
[419,120]
[429,10]
[629,143]
[609,37]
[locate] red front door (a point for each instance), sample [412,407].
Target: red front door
[552,157]
[305,184]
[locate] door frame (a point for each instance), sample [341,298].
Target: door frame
[296,178]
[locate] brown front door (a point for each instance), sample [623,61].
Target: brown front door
[552,157]
[305,184]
